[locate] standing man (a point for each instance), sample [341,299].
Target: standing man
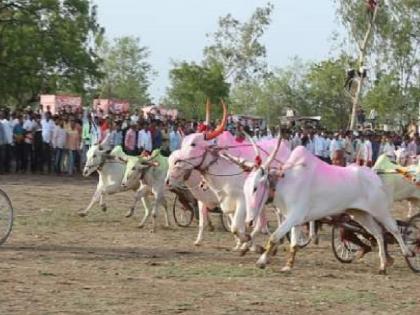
[59,140]
[29,125]
[48,126]
[174,139]
[336,150]
[319,144]
[144,141]
[364,152]
[130,140]
[19,137]
[8,130]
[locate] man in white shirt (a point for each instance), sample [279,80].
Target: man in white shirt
[144,139]
[319,144]
[174,139]
[8,133]
[326,152]
[59,141]
[364,152]
[48,127]
[387,148]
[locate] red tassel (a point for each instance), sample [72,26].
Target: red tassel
[258,160]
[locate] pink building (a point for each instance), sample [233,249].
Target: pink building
[56,103]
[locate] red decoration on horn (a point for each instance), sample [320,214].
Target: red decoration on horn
[201,128]
[258,160]
[220,128]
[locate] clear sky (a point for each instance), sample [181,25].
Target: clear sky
[176,29]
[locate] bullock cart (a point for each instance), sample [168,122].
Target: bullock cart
[344,230]
[6,216]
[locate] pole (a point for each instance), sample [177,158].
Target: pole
[362,55]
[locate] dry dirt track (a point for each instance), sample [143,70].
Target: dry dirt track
[58,263]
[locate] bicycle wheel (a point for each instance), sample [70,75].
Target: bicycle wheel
[343,250]
[6,217]
[411,238]
[182,216]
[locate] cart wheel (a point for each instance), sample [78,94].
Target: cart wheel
[343,250]
[6,217]
[303,238]
[411,238]
[226,221]
[182,216]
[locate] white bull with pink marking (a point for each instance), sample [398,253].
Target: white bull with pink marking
[309,189]
[223,177]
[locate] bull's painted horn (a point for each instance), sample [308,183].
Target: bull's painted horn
[208,104]
[221,127]
[254,145]
[273,154]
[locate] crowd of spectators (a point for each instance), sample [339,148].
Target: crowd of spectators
[38,142]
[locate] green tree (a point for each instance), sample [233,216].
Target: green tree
[127,70]
[270,97]
[192,84]
[326,94]
[395,47]
[237,45]
[46,46]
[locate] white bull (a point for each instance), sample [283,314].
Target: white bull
[223,177]
[111,171]
[397,181]
[310,189]
[150,173]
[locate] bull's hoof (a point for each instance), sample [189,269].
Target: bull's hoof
[152,231]
[261,265]
[103,208]
[129,213]
[259,249]
[140,226]
[211,227]
[382,272]
[243,251]
[197,243]
[389,261]
[286,269]
[82,214]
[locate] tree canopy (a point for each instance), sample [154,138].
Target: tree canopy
[192,84]
[127,71]
[47,46]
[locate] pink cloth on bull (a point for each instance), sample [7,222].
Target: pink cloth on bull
[331,174]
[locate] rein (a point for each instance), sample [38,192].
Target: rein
[206,169]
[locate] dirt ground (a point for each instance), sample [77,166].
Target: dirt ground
[56,262]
